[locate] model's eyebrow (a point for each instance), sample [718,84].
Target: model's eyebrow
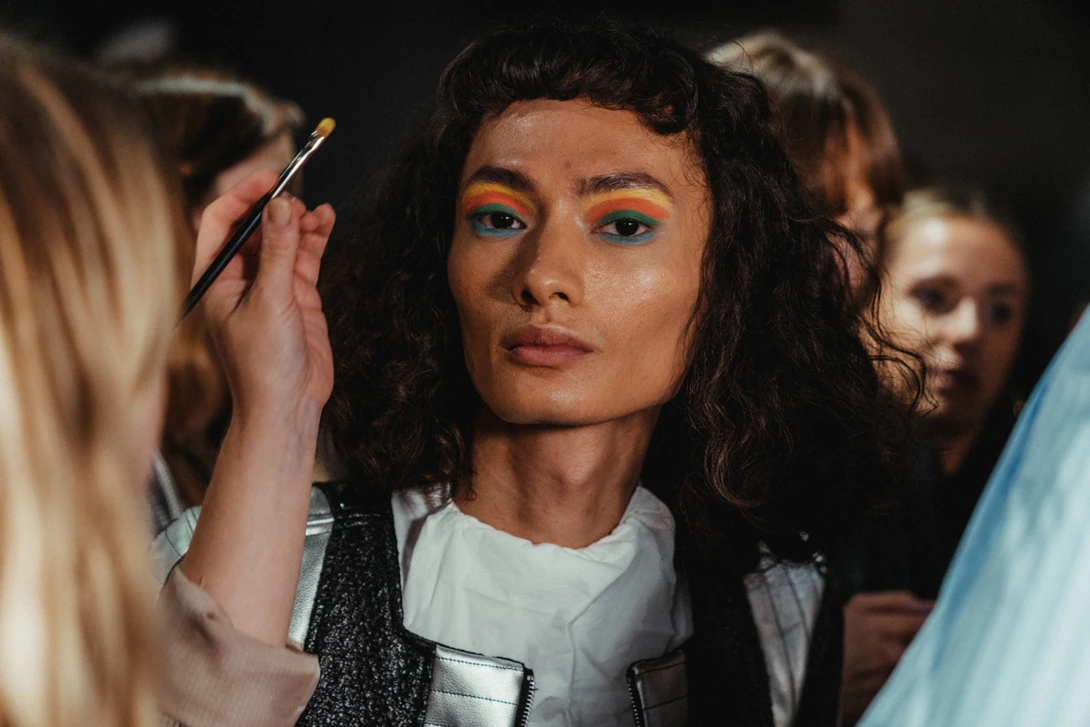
[619,181]
[517,181]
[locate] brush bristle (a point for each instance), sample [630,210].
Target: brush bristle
[325,127]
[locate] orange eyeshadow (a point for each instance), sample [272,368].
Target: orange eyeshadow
[636,204]
[481,194]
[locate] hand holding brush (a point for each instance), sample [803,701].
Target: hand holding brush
[249,223]
[263,310]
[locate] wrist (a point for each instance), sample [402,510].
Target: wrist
[282,440]
[272,416]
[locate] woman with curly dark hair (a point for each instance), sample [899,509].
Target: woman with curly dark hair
[599,405]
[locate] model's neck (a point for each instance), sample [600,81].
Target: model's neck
[563,485]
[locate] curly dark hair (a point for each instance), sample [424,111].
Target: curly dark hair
[781,429]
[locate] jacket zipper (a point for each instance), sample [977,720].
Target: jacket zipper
[526,701]
[634,696]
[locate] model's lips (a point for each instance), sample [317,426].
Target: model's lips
[544,345]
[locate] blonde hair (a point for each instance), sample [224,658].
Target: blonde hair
[928,203]
[88,297]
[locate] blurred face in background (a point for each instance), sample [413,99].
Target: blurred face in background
[863,215]
[954,292]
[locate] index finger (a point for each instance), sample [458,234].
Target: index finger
[223,214]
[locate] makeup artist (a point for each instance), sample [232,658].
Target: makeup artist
[598,407]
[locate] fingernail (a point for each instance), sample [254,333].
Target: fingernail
[279,212]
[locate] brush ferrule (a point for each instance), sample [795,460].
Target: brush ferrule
[296,164]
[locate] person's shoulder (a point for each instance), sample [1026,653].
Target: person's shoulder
[329,501]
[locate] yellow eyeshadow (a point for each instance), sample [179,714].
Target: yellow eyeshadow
[651,195]
[482,188]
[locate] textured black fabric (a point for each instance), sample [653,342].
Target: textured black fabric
[728,681]
[819,704]
[373,672]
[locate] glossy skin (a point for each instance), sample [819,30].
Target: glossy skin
[575,268]
[577,274]
[955,293]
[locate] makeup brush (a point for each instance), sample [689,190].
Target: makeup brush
[253,218]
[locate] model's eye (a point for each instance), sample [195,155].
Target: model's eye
[496,220]
[626,227]
[500,221]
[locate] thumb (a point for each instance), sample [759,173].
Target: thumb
[280,241]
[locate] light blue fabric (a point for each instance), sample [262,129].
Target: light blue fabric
[1009,640]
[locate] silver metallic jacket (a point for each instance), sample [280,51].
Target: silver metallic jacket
[479,691]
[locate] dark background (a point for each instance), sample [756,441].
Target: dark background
[991,94]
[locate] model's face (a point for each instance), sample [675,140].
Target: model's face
[955,293]
[576,263]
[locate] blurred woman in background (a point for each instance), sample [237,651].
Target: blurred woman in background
[219,128]
[837,133]
[954,292]
[839,137]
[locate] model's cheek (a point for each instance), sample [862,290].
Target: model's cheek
[649,321]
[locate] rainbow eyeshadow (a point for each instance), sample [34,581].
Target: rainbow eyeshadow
[647,207]
[486,198]
[487,194]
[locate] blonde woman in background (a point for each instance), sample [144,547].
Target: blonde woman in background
[955,288]
[89,294]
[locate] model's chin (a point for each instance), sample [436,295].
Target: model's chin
[564,396]
[543,410]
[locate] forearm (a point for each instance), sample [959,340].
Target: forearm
[214,675]
[248,544]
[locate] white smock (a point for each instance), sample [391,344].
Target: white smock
[577,617]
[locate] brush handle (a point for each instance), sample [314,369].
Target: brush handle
[242,234]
